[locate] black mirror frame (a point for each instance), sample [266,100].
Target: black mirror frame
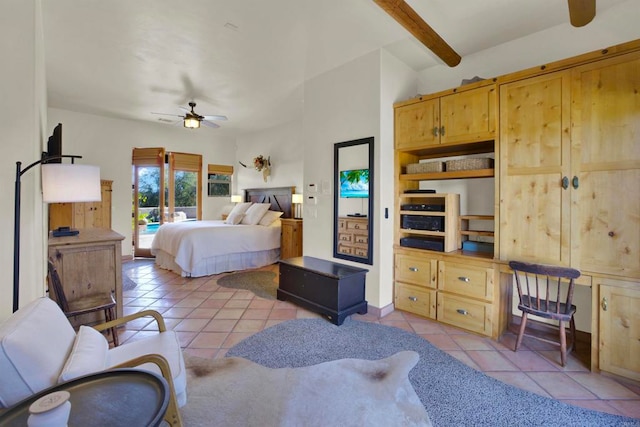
[336,198]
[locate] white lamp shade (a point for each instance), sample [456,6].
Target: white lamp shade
[236,198]
[67,183]
[296,198]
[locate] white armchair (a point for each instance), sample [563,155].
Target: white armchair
[39,349]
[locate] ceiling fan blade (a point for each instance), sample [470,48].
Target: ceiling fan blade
[166,114]
[214,117]
[581,12]
[209,124]
[412,22]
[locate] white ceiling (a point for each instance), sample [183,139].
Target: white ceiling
[247,59]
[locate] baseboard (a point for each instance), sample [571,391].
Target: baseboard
[379,312]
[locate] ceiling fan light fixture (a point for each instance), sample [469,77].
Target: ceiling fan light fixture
[191,123]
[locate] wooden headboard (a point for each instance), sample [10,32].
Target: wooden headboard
[280,198]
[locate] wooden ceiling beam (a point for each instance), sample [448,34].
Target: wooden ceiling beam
[581,12]
[412,22]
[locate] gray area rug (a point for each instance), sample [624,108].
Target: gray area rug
[261,283]
[452,393]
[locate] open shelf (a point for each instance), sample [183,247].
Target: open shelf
[430,176]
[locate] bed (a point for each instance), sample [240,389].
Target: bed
[203,248]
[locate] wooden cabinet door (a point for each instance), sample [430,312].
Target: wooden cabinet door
[619,343]
[291,242]
[534,159]
[606,162]
[415,124]
[468,116]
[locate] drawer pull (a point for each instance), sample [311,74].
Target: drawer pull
[463,311]
[414,299]
[464,279]
[414,269]
[604,304]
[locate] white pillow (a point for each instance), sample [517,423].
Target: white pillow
[255,213]
[234,218]
[269,217]
[237,213]
[88,355]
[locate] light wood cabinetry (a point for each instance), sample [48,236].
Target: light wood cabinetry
[535,156]
[618,343]
[605,163]
[291,238]
[353,236]
[89,263]
[83,215]
[460,116]
[455,291]
[566,193]
[450,208]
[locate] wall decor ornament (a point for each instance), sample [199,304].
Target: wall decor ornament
[263,165]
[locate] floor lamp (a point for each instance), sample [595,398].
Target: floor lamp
[61,183]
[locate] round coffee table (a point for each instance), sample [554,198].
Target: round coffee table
[120,397]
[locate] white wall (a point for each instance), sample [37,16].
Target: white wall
[22,114]
[613,26]
[284,145]
[108,143]
[397,82]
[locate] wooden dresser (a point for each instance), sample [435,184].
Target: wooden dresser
[353,236]
[291,239]
[88,263]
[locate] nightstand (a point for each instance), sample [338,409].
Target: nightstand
[291,238]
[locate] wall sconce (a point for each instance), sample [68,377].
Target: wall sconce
[236,198]
[61,183]
[296,199]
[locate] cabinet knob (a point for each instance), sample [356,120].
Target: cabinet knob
[442,131]
[565,182]
[414,269]
[604,304]
[575,182]
[463,311]
[464,279]
[414,299]
[435,131]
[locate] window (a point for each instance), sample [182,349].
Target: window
[219,180]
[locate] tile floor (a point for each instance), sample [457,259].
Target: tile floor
[210,319]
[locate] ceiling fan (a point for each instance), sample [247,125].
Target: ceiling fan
[581,12]
[192,120]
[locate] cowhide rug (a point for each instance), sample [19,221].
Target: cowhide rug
[350,392]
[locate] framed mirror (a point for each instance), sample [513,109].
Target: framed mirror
[353,180]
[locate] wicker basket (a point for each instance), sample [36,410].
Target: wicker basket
[425,167]
[469,164]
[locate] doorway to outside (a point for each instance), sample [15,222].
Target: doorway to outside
[167,187]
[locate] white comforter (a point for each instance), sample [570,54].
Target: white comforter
[193,241]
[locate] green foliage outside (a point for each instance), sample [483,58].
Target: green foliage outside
[186,187]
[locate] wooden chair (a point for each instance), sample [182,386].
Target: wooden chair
[540,295]
[84,305]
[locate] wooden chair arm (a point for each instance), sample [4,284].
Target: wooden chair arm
[172,416]
[122,320]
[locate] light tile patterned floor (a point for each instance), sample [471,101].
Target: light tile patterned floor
[210,319]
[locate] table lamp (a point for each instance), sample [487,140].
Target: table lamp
[296,199]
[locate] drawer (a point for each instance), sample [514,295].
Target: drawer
[416,300]
[467,280]
[347,250]
[417,271]
[362,239]
[362,252]
[357,225]
[345,237]
[465,313]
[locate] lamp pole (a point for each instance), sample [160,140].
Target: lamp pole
[16,212]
